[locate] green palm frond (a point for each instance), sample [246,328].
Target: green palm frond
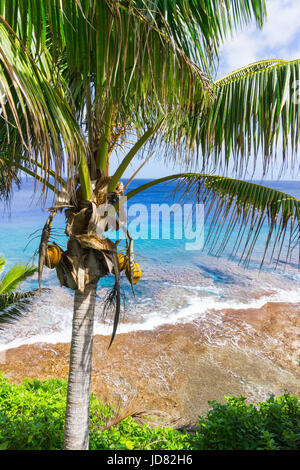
[11,299]
[2,263]
[15,276]
[135,69]
[242,208]
[199,27]
[66,59]
[36,117]
[239,210]
[134,57]
[13,305]
[247,70]
[205,22]
[255,111]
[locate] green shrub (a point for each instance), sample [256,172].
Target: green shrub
[32,414]
[270,425]
[32,417]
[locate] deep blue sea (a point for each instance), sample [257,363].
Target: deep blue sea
[177,285]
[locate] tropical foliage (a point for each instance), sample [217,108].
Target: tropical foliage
[243,205]
[115,64]
[270,425]
[12,301]
[255,111]
[32,418]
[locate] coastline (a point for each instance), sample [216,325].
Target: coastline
[177,368]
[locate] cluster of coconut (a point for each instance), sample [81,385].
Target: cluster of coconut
[53,258]
[89,254]
[124,265]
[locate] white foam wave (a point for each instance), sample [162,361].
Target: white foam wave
[196,307]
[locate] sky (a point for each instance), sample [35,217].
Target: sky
[279,39]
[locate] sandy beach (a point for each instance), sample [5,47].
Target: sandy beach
[176,369]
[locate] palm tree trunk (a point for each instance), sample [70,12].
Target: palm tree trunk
[79,384]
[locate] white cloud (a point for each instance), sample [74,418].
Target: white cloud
[279,38]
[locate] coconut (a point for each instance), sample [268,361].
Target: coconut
[122,261]
[53,256]
[136,275]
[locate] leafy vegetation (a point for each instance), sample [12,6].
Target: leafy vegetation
[12,301]
[270,425]
[32,417]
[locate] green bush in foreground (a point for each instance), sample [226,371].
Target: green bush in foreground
[32,417]
[270,425]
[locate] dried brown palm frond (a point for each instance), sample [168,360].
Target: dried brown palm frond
[115,414]
[112,300]
[43,246]
[129,250]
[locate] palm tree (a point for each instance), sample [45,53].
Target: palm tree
[13,301]
[78,76]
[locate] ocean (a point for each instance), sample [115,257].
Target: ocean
[178,285]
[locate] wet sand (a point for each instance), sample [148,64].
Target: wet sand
[178,368]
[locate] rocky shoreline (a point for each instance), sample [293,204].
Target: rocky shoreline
[177,369]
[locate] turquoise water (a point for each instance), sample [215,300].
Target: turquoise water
[177,284]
